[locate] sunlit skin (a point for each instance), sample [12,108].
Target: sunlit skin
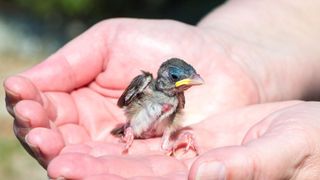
[65,107]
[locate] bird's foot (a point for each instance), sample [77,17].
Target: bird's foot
[128,139]
[186,141]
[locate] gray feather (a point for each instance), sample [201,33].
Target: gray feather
[136,87]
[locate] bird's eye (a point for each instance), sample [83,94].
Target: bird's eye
[175,73]
[174,76]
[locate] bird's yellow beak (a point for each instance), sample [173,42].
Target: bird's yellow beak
[194,80]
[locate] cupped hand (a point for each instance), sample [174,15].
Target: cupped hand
[65,107]
[282,143]
[267,141]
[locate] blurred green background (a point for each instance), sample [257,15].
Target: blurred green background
[30,30]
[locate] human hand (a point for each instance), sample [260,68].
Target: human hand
[283,144]
[59,103]
[70,98]
[266,141]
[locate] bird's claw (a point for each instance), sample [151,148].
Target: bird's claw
[128,139]
[186,140]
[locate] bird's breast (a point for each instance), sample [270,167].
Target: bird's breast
[150,115]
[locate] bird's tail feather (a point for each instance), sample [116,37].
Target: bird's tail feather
[119,130]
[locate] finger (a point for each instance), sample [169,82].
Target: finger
[275,154]
[103,177]
[286,116]
[63,107]
[221,164]
[18,88]
[74,134]
[98,148]
[140,147]
[64,70]
[30,114]
[45,144]
[175,176]
[77,166]
[76,148]
[103,148]
[95,149]
[109,176]
[230,128]
[262,159]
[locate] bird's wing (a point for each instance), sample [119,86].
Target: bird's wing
[137,85]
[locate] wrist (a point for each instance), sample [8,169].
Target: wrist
[273,43]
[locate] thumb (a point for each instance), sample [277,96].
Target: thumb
[223,163]
[276,154]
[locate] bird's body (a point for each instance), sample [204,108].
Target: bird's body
[152,106]
[150,114]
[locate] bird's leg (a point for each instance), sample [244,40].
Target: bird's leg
[128,138]
[166,146]
[186,139]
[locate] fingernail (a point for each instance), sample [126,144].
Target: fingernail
[21,120]
[10,93]
[34,148]
[211,170]
[34,151]
[11,100]
[58,178]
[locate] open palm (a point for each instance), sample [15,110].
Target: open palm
[65,107]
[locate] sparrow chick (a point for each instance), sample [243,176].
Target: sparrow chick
[152,106]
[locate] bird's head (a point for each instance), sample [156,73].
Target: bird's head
[175,75]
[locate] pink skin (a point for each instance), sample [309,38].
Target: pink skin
[65,107]
[128,139]
[185,141]
[190,142]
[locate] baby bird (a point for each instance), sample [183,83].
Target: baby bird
[152,106]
